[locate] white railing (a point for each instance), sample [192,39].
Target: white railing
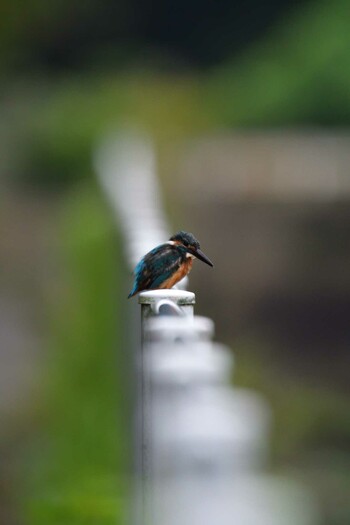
[201,445]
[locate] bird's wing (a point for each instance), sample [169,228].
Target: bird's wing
[157,266]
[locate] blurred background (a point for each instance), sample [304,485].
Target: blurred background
[248,104]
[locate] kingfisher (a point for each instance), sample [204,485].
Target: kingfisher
[167,263]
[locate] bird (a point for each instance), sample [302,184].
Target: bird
[167,263]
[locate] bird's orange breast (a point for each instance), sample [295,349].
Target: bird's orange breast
[184,269]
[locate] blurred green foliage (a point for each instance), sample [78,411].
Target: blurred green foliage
[299,74]
[80,464]
[61,133]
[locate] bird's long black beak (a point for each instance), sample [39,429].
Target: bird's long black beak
[201,256]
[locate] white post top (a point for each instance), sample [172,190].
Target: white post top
[179,297]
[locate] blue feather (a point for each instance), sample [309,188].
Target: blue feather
[156,267]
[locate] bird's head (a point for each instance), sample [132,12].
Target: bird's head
[189,244]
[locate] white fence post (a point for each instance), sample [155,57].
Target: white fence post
[167,303]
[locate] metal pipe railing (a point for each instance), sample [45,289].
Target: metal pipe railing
[201,445]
